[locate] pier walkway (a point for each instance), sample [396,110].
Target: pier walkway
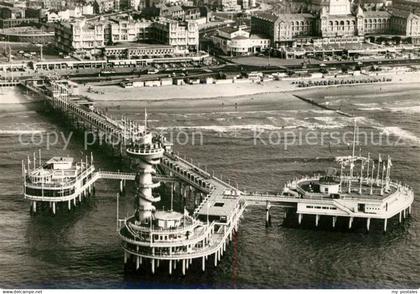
[217,215]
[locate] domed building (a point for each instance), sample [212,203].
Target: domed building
[335,21]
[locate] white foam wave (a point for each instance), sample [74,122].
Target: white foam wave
[406,109]
[20,132]
[227,129]
[251,127]
[401,133]
[372,109]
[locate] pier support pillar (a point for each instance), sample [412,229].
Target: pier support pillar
[368,224]
[350,222]
[316,220]
[170,267]
[137,262]
[121,187]
[53,207]
[409,209]
[334,221]
[183,267]
[125,257]
[300,216]
[385,224]
[203,264]
[399,216]
[404,213]
[69,204]
[215,258]
[267,215]
[141,260]
[175,262]
[187,263]
[34,206]
[153,266]
[75,201]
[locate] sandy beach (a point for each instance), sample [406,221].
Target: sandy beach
[185,91]
[206,91]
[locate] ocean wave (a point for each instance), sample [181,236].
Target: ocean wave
[406,109]
[225,129]
[401,133]
[252,127]
[372,109]
[21,132]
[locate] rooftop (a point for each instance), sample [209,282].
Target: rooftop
[312,189]
[60,160]
[25,31]
[137,45]
[168,215]
[229,30]
[267,16]
[378,13]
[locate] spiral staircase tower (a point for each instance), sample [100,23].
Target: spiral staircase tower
[147,150]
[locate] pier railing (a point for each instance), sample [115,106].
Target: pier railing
[61,185]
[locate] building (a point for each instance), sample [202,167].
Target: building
[406,23]
[13,15]
[236,41]
[54,4]
[183,36]
[81,36]
[93,35]
[27,34]
[229,5]
[407,5]
[106,6]
[15,22]
[12,12]
[76,12]
[137,51]
[175,12]
[334,19]
[191,12]
[125,29]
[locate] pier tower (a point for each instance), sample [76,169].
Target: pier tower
[152,237]
[147,151]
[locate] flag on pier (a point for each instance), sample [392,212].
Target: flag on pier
[379,168]
[145,119]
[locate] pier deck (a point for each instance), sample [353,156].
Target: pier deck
[217,215]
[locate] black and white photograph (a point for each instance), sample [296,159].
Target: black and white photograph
[176,145]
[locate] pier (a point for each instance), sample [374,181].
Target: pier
[154,238]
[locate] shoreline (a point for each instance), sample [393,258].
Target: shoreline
[219,91]
[14,96]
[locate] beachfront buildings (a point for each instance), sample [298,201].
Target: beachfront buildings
[336,20]
[80,35]
[181,35]
[237,41]
[94,35]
